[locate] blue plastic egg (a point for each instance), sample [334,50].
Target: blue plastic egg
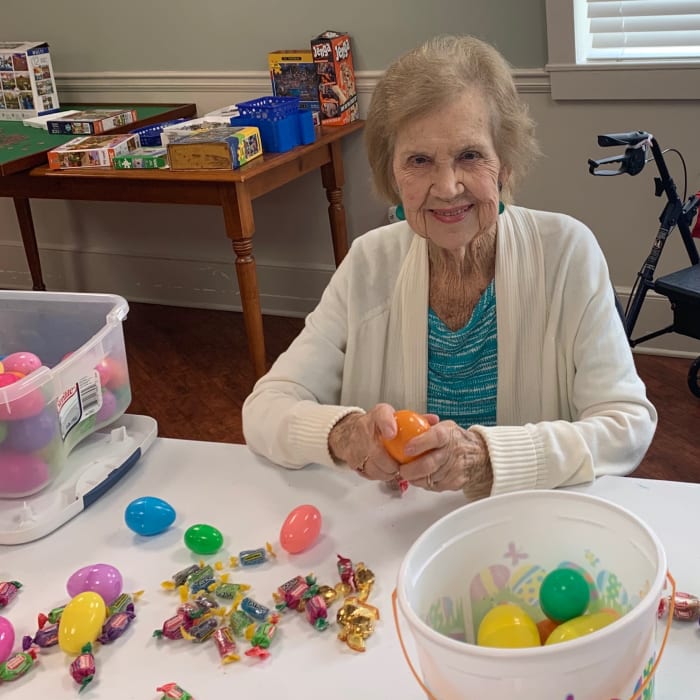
[149,515]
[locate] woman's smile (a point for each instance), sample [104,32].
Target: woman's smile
[453,215]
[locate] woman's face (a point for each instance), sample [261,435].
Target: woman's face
[447,172]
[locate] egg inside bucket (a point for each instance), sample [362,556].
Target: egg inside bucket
[452,577]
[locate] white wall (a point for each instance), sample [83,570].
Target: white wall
[180,254]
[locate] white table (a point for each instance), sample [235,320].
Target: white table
[248,499]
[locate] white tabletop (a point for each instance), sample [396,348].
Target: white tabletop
[248,499]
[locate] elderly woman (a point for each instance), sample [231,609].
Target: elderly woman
[495,321]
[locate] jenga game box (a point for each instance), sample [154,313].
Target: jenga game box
[332,55]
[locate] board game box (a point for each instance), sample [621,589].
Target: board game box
[223,148]
[27,82]
[332,54]
[93,121]
[149,157]
[97,151]
[293,74]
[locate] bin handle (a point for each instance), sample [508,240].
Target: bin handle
[636,696]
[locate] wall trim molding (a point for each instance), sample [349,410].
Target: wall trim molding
[527,80]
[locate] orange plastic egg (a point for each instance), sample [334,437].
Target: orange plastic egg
[409,424]
[300,529]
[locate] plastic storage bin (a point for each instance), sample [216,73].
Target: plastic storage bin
[82,383]
[282,124]
[150,135]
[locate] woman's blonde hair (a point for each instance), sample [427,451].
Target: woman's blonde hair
[429,77]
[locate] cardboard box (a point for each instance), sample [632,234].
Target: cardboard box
[27,83]
[293,73]
[198,125]
[332,55]
[150,158]
[96,151]
[93,121]
[217,149]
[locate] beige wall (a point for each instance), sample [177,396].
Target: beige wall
[180,255]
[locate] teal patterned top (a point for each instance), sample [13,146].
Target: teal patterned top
[462,366]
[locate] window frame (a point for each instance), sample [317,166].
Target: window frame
[629,80]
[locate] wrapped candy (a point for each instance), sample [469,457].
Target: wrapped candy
[46,636]
[83,667]
[201,630]
[173,626]
[346,572]
[260,639]
[240,622]
[115,625]
[17,665]
[256,610]
[180,577]
[357,619]
[317,612]
[364,580]
[173,691]
[229,591]
[124,603]
[226,645]
[254,557]
[53,616]
[201,580]
[8,590]
[686,607]
[291,593]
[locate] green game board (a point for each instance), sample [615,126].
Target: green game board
[23,147]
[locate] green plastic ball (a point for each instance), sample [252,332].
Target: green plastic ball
[203,539]
[564,594]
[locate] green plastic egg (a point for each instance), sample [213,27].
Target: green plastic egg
[564,594]
[203,539]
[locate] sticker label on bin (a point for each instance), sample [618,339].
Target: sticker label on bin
[78,403]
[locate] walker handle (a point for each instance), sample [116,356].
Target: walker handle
[636,696]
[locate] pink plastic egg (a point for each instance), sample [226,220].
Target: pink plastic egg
[24,362]
[6,379]
[22,474]
[7,638]
[24,406]
[118,373]
[103,579]
[300,529]
[108,408]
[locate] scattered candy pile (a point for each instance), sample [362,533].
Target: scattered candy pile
[204,611]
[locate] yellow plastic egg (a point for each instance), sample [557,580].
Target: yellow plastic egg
[509,627]
[581,626]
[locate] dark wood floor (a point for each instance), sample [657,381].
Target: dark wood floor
[190,371]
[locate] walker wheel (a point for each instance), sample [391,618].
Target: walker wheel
[693,383]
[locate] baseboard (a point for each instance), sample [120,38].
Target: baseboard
[289,290]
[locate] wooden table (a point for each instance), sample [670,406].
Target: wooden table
[234,191]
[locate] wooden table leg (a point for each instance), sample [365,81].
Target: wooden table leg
[333,179]
[31,250]
[240,226]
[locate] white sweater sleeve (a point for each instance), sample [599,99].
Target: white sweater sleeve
[612,421]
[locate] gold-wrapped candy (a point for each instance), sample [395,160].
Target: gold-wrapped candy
[357,619]
[364,580]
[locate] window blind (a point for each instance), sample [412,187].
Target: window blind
[619,30]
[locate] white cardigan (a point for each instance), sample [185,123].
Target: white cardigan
[570,405]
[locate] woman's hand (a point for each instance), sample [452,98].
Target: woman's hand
[357,440]
[454,459]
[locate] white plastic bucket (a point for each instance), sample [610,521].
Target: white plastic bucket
[498,550]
